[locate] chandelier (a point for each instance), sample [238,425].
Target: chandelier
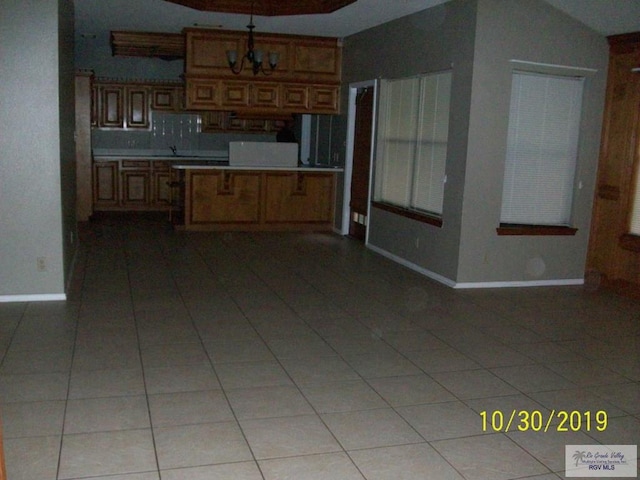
[253,56]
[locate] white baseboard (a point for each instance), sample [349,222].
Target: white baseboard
[427,273]
[523,283]
[45,297]
[469,285]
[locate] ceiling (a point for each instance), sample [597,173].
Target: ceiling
[98,17]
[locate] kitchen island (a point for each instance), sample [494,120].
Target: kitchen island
[222,197]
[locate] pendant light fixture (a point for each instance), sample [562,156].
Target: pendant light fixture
[253,56]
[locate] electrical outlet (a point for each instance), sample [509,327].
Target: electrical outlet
[41,264]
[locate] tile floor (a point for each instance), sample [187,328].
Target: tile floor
[234,356]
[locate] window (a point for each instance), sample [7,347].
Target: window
[411,151]
[542,143]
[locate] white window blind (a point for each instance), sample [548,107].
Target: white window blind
[542,142]
[412,142]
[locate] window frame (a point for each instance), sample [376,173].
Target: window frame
[536,68]
[418,214]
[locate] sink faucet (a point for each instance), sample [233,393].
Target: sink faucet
[173,149]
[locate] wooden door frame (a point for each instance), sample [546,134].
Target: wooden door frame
[348,164]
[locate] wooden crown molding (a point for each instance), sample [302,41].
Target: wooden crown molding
[269,8]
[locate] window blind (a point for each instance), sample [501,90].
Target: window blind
[412,142]
[542,142]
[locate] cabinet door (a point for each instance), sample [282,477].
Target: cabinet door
[164,98]
[105,184]
[324,99]
[299,197]
[160,178]
[135,188]
[137,107]
[224,197]
[203,94]
[265,96]
[318,59]
[111,107]
[235,94]
[295,97]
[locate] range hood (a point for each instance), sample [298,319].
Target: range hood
[167,46]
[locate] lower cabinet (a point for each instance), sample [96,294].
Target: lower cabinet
[106,186]
[298,198]
[131,185]
[221,199]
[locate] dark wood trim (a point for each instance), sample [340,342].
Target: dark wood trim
[630,242]
[514,229]
[412,214]
[621,287]
[624,43]
[609,192]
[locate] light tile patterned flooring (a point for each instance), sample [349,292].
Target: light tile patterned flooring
[235,356]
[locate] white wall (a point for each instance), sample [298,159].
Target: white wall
[31,212]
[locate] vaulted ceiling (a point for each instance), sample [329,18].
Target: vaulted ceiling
[99,17]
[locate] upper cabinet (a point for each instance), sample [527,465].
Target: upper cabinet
[118,105]
[305,80]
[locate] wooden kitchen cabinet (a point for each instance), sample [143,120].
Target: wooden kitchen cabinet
[110,106]
[169,99]
[324,99]
[299,197]
[135,178]
[204,94]
[160,189]
[303,58]
[219,122]
[223,197]
[131,184]
[306,80]
[137,102]
[135,189]
[118,105]
[106,185]
[256,200]
[234,95]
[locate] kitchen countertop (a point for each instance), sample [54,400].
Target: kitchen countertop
[182,156]
[199,159]
[300,168]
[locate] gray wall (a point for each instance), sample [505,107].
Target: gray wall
[429,41]
[528,30]
[36,147]
[478,38]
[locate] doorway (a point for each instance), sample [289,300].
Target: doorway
[361,130]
